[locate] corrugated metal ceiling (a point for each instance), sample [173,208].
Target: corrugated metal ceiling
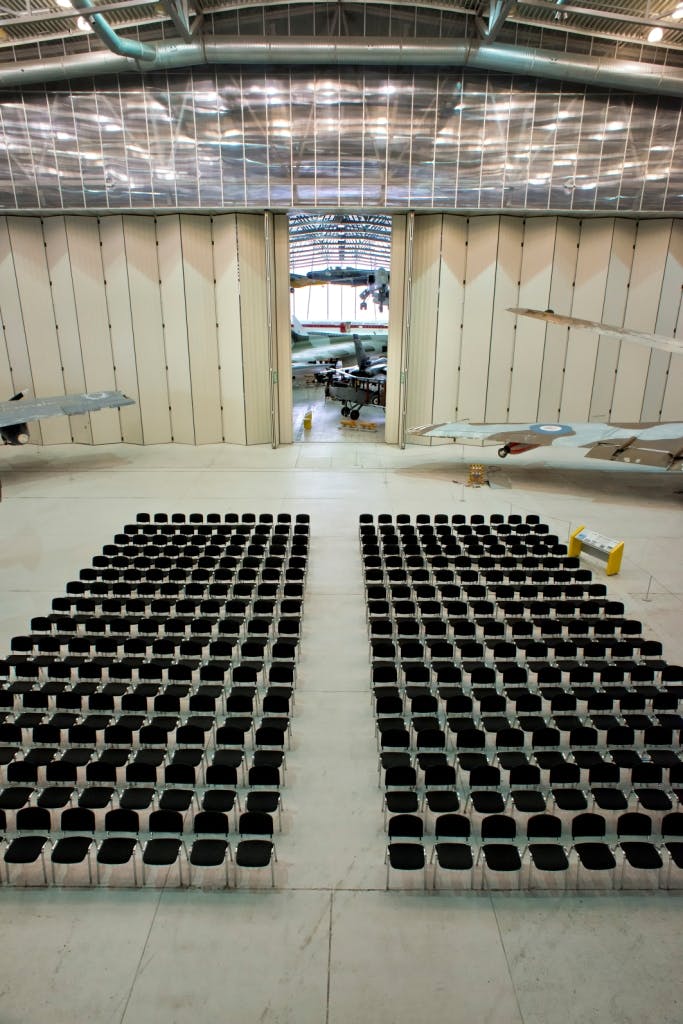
[31,29]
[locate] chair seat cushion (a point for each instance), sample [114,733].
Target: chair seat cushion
[253,853]
[25,849]
[406,856]
[161,851]
[454,856]
[71,849]
[548,857]
[116,850]
[501,857]
[595,856]
[642,855]
[208,853]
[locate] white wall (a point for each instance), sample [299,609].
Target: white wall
[171,310]
[182,314]
[470,360]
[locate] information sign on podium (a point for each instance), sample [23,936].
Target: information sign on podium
[597,545]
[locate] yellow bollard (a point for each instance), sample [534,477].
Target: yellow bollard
[308,420]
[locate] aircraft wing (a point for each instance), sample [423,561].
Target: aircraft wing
[647,444]
[640,337]
[21,411]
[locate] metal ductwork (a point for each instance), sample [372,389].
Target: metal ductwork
[132,55]
[132,48]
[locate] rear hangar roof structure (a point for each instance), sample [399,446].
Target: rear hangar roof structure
[529,107]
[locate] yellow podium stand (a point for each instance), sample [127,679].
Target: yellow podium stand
[595,544]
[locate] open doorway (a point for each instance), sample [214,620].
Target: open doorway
[339,305]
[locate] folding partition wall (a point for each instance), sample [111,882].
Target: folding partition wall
[467,357]
[178,311]
[189,315]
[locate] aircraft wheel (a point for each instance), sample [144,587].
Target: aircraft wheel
[345,410]
[355,414]
[503,452]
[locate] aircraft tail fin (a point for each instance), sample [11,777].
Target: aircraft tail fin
[361,354]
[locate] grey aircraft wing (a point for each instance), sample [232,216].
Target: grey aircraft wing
[646,444]
[640,337]
[26,411]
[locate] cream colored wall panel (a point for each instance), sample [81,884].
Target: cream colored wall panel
[614,311]
[423,321]
[145,306]
[508,268]
[13,325]
[6,385]
[201,328]
[397,313]
[121,324]
[226,272]
[64,305]
[283,328]
[652,245]
[477,316]
[93,322]
[33,285]
[667,320]
[561,296]
[672,405]
[595,244]
[534,293]
[255,340]
[449,333]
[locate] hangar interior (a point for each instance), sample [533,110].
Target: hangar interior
[150,158]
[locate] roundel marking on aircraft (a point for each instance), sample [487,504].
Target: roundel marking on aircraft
[96,394]
[558,429]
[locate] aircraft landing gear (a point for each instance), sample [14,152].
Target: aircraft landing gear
[504,451]
[354,414]
[345,410]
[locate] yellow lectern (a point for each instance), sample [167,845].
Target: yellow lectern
[595,544]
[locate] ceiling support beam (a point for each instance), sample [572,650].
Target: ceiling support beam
[498,12]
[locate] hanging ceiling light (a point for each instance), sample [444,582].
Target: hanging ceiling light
[655,35]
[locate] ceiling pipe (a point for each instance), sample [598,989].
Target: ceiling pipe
[111,39]
[601,72]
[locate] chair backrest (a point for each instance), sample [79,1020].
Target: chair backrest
[213,822]
[634,823]
[452,826]
[221,775]
[484,776]
[121,819]
[544,826]
[264,775]
[77,819]
[672,824]
[255,823]
[438,775]
[166,821]
[589,824]
[33,819]
[498,826]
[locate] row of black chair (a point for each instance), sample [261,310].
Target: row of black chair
[499,847]
[123,841]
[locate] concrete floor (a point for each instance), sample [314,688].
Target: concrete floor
[330,945]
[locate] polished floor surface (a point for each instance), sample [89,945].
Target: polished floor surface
[329,944]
